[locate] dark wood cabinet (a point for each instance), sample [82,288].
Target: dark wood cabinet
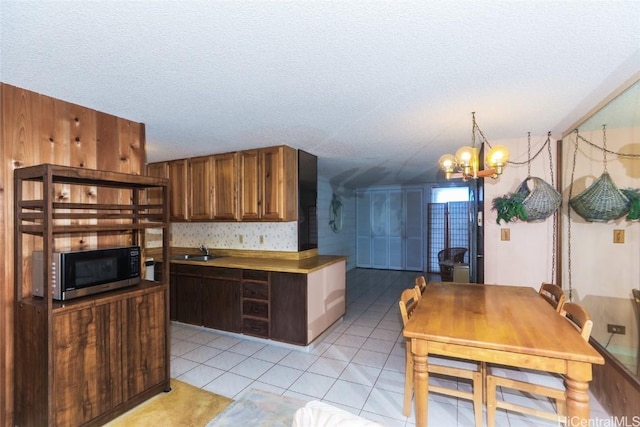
[289,307]
[294,308]
[79,388]
[268,184]
[200,184]
[87,360]
[221,299]
[189,302]
[208,296]
[256,296]
[225,186]
[178,177]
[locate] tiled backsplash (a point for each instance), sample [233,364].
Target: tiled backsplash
[276,236]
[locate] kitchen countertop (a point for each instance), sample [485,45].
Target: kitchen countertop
[305,263]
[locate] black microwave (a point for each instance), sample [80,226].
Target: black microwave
[76,274]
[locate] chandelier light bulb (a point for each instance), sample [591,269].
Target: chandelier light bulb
[465,155]
[497,156]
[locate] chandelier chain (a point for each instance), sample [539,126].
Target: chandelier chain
[604,147]
[573,170]
[528,153]
[548,144]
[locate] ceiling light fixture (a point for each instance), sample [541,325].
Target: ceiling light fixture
[465,163]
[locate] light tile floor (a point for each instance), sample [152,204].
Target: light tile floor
[358,367]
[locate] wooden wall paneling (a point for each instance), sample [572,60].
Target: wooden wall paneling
[5,300]
[132,156]
[20,119]
[38,129]
[109,154]
[79,124]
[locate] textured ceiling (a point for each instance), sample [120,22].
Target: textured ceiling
[378,90]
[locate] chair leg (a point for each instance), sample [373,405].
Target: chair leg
[408,381]
[491,401]
[478,381]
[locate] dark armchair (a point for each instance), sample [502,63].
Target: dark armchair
[447,258]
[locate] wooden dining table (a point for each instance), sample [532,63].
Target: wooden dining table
[508,325]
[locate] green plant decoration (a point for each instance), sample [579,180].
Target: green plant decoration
[633,194]
[509,207]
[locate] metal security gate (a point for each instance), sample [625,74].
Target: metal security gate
[448,226]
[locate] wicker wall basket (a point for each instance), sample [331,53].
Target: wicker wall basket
[542,199]
[602,201]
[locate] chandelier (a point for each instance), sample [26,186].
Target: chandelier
[466,165]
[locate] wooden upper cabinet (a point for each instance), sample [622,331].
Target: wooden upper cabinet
[158,170]
[279,189]
[269,188]
[225,186]
[249,185]
[200,188]
[178,190]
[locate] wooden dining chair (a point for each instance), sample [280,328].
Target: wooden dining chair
[553,294]
[534,382]
[420,285]
[440,366]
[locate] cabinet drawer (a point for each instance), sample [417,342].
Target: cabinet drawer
[255,290]
[255,327]
[257,275]
[255,308]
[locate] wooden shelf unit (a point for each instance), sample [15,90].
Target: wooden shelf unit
[88,360]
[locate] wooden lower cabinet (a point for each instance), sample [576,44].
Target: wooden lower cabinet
[289,307]
[207,296]
[221,299]
[87,354]
[294,308]
[188,283]
[108,354]
[256,296]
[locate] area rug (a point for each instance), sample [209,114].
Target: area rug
[184,406]
[259,408]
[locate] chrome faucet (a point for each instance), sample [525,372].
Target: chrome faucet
[204,250]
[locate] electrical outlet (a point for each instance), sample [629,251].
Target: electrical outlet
[261,239]
[241,238]
[618,236]
[505,234]
[616,329]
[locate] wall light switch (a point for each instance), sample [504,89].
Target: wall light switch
[505,234]
[618,236]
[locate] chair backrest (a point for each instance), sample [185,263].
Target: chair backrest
[578,316]
[408,302]
[420,285]
[452,254]
[554,295]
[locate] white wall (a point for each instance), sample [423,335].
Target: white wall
[527,258]
[343,243]
[600,267]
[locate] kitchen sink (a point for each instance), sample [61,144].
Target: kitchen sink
[194,257]
[202,257]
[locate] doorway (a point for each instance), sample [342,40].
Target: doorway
[450,223]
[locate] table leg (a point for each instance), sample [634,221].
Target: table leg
[421,384]
[577,387]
